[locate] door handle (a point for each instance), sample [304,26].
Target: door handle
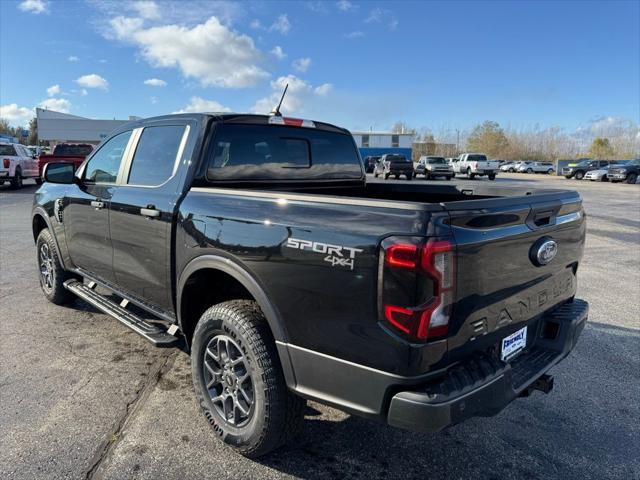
[150,212]
[97,204]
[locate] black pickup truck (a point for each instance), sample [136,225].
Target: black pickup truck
[257,241]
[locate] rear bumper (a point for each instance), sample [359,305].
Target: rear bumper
[484,386]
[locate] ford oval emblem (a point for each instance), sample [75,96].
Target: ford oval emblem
[544,251]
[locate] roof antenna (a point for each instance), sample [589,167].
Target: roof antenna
[276,110]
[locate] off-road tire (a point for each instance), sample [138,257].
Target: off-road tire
[56,293]
[632,178]
[16,181]
[277,414]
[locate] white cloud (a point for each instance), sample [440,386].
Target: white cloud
[299,94]
[34,6]
[147,9]
[84,92]
[58,104]
[155,82]
[278,52]
[223,57]
[346,5]
[72,58]
[15,115]
[323,89]
[256,25]
[375,16]
[355,34]
[53,90]
[301,64]
[380,15]
[153,100]
[93,80]
[198,105]
[281,25]
[125,27]
[102,60]
[317,6]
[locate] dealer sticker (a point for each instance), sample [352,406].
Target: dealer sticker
[512,344]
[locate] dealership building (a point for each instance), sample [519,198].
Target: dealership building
[57,127]
[379,143]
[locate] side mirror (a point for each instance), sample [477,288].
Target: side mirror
[59,172]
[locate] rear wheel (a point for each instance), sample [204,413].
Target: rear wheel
[386,176]
[239,382]
[16,181]
[38,181]
[511,170]
[375,175]
[469,174]
[579,175]
[632,178]
[409,176]
[550,171]
[397,176]
[604,179]
[492,176]
[51,274]
[529,170]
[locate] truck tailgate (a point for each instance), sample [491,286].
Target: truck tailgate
[502,283]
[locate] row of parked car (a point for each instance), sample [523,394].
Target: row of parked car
[528,167]
[430,166]
[19,162]
[604,170]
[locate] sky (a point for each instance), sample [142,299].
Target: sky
[360,65]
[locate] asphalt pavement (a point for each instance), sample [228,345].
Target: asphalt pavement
[82,396]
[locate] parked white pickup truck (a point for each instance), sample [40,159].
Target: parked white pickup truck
[16,164]
[476,164]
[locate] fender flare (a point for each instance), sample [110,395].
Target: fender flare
[231,268]
[226,265]
[41,212]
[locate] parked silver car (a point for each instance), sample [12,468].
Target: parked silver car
[536,167]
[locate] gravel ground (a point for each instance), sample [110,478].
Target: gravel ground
[83,397]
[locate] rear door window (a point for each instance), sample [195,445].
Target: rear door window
[266,152]
[156,154]
[7,150]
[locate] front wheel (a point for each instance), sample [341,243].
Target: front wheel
[529,170]
[492,176]
[375,175]
[579,175]
[38,181]
[386,176]
[239,381]
[632,178]
[52,275]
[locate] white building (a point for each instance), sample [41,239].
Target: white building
[58,127]
[379,143]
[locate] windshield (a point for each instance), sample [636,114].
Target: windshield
[396,158]
[72,150]
[435,160]
[584,163]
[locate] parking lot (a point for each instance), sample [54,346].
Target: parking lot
[84,397]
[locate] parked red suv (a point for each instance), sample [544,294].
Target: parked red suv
[65,152]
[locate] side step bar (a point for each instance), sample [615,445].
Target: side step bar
[155,334]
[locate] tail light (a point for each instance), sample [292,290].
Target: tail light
[6,162]
[417,282]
